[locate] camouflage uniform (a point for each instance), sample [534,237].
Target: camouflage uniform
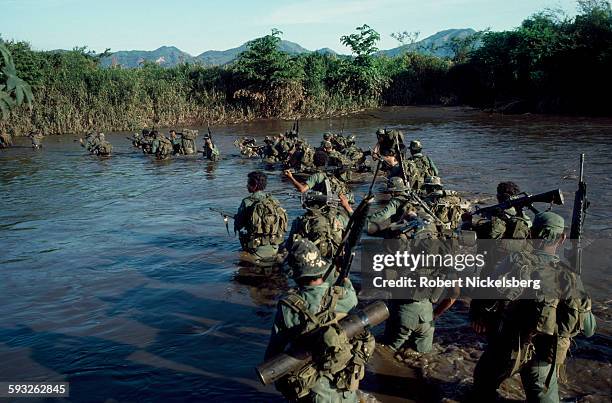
[424,165]
[36,140]
[536,330]
[289,323]
[323,225]
[445,204]
[316,182]
[161,147]
[260,246]
[410,322]
[5,140]
[211,152]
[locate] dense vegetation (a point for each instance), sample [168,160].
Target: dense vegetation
[549,64]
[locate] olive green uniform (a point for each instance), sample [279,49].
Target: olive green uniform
[288,325]
[533,336]
[260,247]
[316,182]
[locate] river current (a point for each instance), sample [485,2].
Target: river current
[116,277]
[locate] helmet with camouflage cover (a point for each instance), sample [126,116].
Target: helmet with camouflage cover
[547,225]
[305,260]
[433,181]
[380,132]
[327,136]
[397,184]
[415,145]
[326,144]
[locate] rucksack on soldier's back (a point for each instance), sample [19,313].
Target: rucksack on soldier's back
[267,220]
[322,228]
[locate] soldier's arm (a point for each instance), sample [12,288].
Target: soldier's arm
[380,219]
[279,338]
[240,216]
[301,187]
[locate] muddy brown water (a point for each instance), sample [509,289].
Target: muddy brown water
[116,277]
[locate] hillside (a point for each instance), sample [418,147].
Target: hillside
[168,56]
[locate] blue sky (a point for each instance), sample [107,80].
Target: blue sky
[196,26]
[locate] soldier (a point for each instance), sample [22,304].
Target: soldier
[321,181]
[211,152]
[335,373]
[388,140]
[537,326]
[301,156]
[400,206]
[260,220]
[177,144]
[445,204]
[188,145]
[161,146]
[321,223]
[36,137]
[424,165]
[5,140]
[394,169]
[270,153]
[506,224]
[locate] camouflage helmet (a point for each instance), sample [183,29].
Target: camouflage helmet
[380,132]
[326,144]
[415,145]
[327,136]
[305,260]
[547,225]
[397,184]
[433,181]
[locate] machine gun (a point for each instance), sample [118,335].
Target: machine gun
[581,204]
[551,197]
[226,216]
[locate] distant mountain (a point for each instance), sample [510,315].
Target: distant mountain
[220,57]
[437,44]
[168,56]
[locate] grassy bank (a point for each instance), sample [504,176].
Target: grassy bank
[550,64]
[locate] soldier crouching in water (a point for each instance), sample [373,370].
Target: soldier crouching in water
[338,364]
[260,221]
[536,326]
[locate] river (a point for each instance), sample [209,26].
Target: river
[116,277]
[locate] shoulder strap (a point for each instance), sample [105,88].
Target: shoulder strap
[296,303]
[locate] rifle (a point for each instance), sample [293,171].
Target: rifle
[552,197]
[413,195]
[226,216]
[210,136]
[351,236]
[581,204]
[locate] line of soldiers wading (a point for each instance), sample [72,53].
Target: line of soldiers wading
[156,143]
[311,356]
[36,136]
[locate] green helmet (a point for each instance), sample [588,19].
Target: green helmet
[305,260]
[397,184]
[327,136]
[415,145]
[547,225]
[380,132]
[433,181]
[326,144]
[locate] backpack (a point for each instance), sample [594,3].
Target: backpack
[165,148]
[322,228]
[188,141]
[267,222]
[336,357]
[336,186]
[105,148]
[448,208]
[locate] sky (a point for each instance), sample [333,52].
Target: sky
[196,26]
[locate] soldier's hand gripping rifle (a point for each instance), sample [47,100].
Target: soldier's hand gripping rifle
[550,197]
[226,216]
[581,204]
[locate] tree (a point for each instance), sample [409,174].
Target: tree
[362,43]
[13,90]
